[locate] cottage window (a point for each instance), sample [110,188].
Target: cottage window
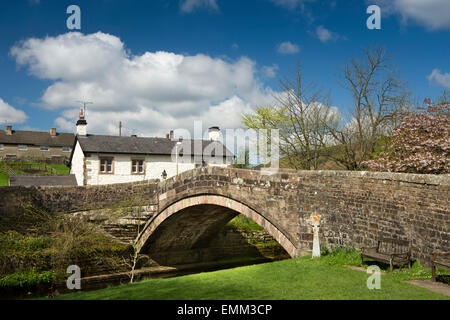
[22,147]
[65,149]
[106,165]
[44,148]
[1,147]
[137,166]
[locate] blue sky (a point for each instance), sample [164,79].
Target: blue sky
[160,65]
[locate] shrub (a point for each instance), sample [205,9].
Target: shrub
[343,256]
[29,279]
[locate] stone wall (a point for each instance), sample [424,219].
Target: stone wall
[355,207]
[77,199]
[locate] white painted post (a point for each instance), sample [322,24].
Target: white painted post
[316,242]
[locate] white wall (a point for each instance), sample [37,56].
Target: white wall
[121,171]
[154,166]
[77,164]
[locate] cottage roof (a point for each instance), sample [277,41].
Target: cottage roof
[37,138]
[146,146]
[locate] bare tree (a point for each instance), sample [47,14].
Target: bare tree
[379,99]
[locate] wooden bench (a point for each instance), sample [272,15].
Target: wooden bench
[392,251]
[441,259]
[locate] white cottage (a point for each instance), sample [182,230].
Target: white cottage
[101,160]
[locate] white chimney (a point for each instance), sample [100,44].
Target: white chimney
[81,125]
[214,134]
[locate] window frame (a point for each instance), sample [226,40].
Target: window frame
[2,146]
[22,149]
[137,166]
[67,150]
[100,160]
[48,148]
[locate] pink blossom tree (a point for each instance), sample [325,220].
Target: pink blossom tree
[419,144]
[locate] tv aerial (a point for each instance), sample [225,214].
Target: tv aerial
[84,103]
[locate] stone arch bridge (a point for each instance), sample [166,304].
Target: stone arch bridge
[186,212]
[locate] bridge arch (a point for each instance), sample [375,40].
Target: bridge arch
[206,213]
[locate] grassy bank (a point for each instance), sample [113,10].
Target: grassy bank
[36,248]
[243,223]
[38,168]
[301,278]
[60,168]
[3,179]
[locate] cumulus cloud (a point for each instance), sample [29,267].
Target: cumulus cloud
[325,35]
[188,6]
[288,48]
[442,79]
[433,14]
[9,114]
[270,71]
[149,93]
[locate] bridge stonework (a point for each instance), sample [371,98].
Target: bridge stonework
[186,212]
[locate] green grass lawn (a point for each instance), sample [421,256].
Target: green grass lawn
[60,168]
[3,179]
[301,278]
[19,167]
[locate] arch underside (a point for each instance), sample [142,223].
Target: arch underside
[192,223]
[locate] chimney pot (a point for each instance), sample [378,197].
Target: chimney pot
[53,132]
[214,134]
[81,124]
[171,134]
[167,136]
[8,130]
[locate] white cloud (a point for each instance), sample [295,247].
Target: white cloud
[269,71]
[442,79]
[324,35]
[433,14]
[149,93]
[288,48]
[9,114]
[71,56]
[189,6]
